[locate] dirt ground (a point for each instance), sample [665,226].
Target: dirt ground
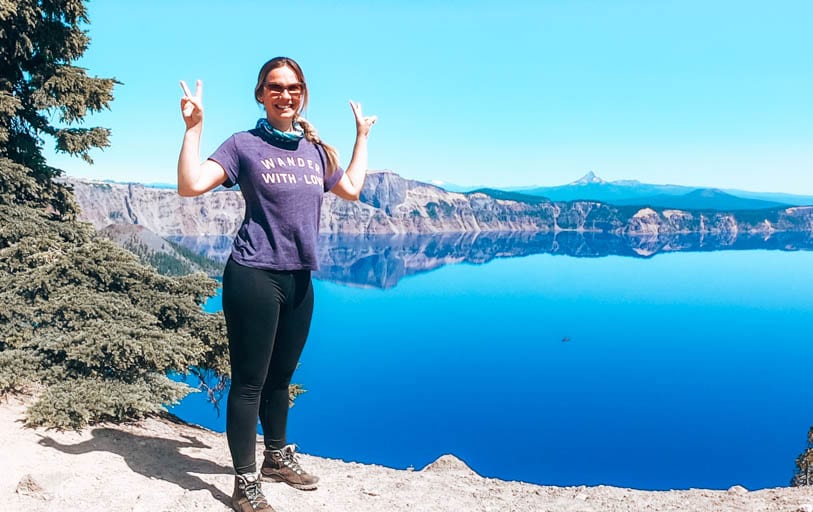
[159,465]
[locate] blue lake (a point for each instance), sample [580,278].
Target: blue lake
[684,369]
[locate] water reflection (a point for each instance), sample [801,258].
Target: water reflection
[381,261]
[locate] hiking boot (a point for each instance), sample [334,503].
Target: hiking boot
[282,466]
[248,495]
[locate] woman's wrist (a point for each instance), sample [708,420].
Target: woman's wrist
[194,131]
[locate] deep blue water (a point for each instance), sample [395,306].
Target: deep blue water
[677,371]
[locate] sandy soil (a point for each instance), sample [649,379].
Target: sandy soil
[158,465]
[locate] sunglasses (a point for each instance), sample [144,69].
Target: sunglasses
[278,89]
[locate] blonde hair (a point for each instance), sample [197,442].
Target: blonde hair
[311,134]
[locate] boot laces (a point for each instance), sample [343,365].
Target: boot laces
[290,459]
[254,493]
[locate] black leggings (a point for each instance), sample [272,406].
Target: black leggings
[268,315]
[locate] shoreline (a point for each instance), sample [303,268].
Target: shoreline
[159,464]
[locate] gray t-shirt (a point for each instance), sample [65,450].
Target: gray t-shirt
[283,185]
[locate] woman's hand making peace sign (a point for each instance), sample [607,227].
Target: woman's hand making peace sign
[192,105]
[349,185]
[363,124]
[195,177]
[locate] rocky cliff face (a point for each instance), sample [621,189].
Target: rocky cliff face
[392,205]
[162,211]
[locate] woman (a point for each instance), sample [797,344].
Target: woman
[283,169]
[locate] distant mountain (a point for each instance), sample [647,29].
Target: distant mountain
[632,192]
[592,188]
[588,179]
[509,196]
[701,199]
[453,187]
[791,199]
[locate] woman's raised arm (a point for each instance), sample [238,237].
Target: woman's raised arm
[349,186]
[195,177]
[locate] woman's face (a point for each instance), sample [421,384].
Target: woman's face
[281,95]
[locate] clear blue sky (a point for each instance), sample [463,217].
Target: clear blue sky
[707,93]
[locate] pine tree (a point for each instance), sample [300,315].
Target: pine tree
[38,41]
[83,323]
